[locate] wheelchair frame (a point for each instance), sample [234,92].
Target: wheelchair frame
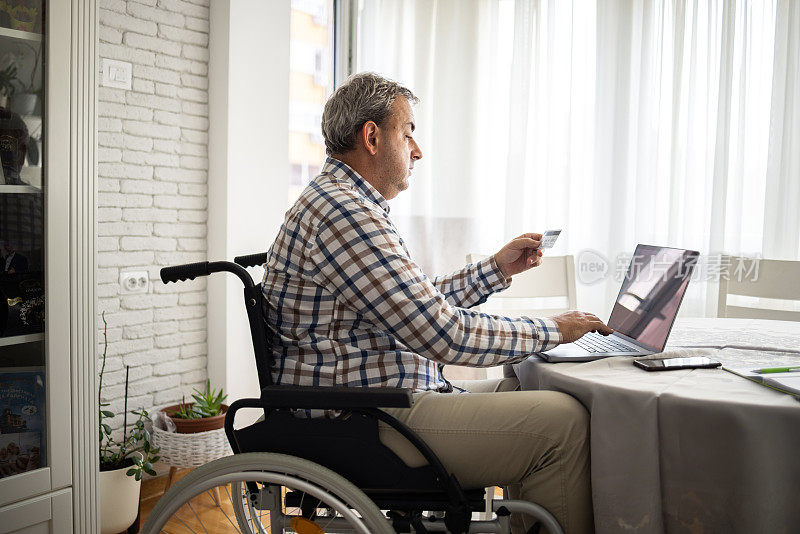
[407,492]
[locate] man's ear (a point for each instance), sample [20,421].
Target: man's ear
[369,137]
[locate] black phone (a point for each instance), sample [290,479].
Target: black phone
[669,364]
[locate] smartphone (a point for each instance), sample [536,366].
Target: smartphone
[669,364]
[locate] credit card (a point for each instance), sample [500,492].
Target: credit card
[549,238]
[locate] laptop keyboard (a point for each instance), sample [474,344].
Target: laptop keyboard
[594,342]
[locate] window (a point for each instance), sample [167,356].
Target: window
[310,84]
[637,122]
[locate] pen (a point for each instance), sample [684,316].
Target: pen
[795,368]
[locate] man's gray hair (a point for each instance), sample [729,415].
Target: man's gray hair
[361,98]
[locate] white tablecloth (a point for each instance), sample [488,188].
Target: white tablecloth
[700,451]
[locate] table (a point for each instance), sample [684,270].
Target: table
[698,451]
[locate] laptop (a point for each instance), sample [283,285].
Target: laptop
[644,312]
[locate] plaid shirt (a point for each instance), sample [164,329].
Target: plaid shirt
[347,306]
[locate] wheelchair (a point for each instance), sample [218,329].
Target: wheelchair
[319,475]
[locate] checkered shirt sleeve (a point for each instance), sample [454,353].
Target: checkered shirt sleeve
[350,307]
[472,285]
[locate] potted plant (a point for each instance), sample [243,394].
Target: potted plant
[197,436]
[23,96]
[207,412]
[7,89]
[122,462]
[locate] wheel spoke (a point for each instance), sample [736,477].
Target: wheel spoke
[302,498]
[184,523]
[189,504]
[219,505]
[325,526]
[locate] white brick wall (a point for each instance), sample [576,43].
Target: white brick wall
[152,197]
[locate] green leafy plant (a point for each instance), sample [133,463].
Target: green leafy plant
[117,454]
[207,403]
[184,410]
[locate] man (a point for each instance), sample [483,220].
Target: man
[351,308]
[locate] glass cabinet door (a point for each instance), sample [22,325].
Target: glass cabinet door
[23,193]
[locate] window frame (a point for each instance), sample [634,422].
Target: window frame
[345,34]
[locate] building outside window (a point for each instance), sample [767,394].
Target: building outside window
[310,84]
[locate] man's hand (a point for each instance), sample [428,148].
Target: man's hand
[574,324]
[519,255]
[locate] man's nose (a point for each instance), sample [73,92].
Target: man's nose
[416,152]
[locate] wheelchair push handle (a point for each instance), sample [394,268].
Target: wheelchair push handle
[251,260]
[190,271]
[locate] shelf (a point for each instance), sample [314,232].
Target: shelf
[21,35]
[17,340]
[19,189]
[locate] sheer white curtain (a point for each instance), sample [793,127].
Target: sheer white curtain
[674,123]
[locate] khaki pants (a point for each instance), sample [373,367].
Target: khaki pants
[534,442]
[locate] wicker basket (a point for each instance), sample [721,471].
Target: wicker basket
[191,450]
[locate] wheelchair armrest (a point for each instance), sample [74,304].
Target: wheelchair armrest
[334,398]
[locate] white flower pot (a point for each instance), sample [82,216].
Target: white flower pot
[119,500]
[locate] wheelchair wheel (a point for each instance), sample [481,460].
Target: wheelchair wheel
[258,493]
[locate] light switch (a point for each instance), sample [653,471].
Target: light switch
[117,74]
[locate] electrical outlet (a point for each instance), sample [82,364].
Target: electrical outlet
[134,281]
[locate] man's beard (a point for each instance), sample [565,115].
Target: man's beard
[401,183]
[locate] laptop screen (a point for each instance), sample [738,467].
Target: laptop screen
[651,293]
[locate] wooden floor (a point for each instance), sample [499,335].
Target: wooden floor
[204,515]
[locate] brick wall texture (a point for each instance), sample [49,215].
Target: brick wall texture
[152,197]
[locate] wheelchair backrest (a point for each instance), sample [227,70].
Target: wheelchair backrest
[262,346]
[256,314]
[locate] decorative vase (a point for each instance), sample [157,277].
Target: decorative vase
[119,500]
[23,103]
[192,426]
